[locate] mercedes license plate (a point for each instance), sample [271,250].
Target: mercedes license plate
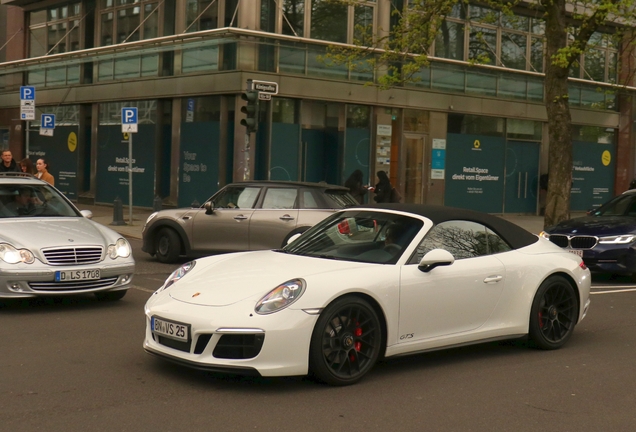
[76,275]
[171,329]
[576,252]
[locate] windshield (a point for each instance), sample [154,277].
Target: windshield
[622,205]
[361,236]
[19,201]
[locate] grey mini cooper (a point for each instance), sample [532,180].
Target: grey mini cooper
[49,248]
[242,216]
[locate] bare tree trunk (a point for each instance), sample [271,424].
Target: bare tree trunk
[559,119]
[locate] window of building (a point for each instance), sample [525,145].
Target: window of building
[329,20]
[120,21]
[55,30]
[201,15]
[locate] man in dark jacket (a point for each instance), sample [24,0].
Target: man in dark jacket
[8,163]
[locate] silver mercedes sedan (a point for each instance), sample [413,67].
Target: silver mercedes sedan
[48,247]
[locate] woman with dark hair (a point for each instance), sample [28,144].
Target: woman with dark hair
[384,191]
[356,187]
[27,166]
[43,173]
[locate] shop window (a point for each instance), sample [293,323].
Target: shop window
[523,129]
[284,111]
[416,121]
[358,116]
[475,125]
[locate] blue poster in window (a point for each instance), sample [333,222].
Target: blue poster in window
[438,159]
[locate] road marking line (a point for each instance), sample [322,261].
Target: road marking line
[614,291]
[142,289]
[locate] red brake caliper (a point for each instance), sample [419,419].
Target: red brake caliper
[357,345]
[540,320]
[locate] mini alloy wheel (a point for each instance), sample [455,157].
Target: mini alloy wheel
[346,342]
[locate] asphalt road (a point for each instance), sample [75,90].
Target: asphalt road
[76,364]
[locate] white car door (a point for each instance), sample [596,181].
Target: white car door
[450,299]
[456,298]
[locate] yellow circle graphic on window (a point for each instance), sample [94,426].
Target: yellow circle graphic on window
[476,144]
[606,158]
[72,141]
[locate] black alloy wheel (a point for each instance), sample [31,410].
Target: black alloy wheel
[554,313]
[167,245]
[346,342]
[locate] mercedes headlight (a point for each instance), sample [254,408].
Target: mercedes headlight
[281,297]
[121,248]
[619,239]
[176,275]
[11,255]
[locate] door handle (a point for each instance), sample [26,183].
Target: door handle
[286,218]
[493,279]
[240,217]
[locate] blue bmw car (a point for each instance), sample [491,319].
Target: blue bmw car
[605,239]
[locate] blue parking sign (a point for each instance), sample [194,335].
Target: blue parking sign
[129,120]
[27,93]
[47,121]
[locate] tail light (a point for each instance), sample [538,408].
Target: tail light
[582,265]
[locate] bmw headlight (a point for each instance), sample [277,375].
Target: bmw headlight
[545,235]
[11,255]
[619,239]
[281,297]
[121,248]
[177,275]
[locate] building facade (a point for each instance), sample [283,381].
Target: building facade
[472,136]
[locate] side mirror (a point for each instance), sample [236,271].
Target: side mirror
[435,258]
[87,214]
[209,207]
[292,238]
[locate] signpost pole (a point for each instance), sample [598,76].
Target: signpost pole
[26,138]
[130,178]
[246,168]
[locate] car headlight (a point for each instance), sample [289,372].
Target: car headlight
[619,239]
[121,248]
[281,297]
[545,235]
[176,275]
[151,217]
[11,255]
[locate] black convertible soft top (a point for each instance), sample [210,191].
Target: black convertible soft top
[514,235]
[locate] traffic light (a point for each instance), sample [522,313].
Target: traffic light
[250,110]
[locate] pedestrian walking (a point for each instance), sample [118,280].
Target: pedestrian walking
[356,186]
[384,190]
[27,166]
[8,163]
[43,173]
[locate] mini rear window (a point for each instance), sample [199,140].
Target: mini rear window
[341,198]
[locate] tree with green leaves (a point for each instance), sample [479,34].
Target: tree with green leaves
[402,52]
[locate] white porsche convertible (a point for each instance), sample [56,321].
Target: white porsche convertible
[366,283]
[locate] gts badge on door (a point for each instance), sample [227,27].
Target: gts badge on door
[406,336]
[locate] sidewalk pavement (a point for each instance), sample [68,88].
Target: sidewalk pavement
[104,215]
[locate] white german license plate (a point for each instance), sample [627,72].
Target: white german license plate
[171,329]
[76,275]
[576,252]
